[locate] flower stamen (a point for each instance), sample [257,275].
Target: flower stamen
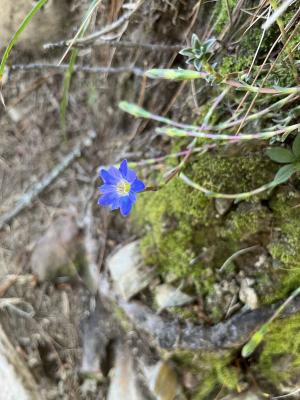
[123,188]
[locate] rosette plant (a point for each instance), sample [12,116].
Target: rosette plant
[198,53]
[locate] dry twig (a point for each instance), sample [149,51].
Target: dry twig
[40,186]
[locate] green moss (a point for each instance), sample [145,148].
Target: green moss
[185,236]
[222,16]
[249,220]
[285,244]
[279,359]
[214,370]
[232,65]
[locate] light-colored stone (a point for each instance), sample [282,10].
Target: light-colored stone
[16,381]
[169,296]
[247,294]
[128,271]
[161,380]
[123,384]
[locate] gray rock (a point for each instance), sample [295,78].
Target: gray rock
[128,271]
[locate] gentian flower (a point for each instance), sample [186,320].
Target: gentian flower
[119,188]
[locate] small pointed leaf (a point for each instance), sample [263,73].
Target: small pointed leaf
[198,65]
[284,174]
[280,155]
[296,146]
[195,41]
[255,340]
[187,52]
[209,43]
[173,74]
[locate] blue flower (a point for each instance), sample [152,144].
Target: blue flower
[119,188]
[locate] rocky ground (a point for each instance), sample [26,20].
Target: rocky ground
[158,306]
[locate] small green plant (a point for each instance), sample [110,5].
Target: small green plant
[260,334]
[289,157]
[199,52]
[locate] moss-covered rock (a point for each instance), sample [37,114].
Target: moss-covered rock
[189,240]
[279,359]
[212,371]
[187,237]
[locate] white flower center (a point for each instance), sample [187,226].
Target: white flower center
[123,188]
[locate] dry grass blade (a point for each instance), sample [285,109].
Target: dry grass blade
[280,10]
[81,29]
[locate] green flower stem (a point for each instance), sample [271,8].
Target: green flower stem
[172,74]
[17,34]
[236,196]
[175,132]
[157,160]
[140,112]
[278,104]
[207,117]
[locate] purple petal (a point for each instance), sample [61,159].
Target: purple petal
[107,188]
[138,185]
[123,168]
[107,199]
[107,177]
[115,204]
[125,205]
[132,196]
[130,176]
[115,172]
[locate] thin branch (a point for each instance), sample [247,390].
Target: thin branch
[116,43]
[96,35]
[49,178]
[94,70]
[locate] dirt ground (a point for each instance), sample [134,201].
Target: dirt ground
[75,336]
[45,327]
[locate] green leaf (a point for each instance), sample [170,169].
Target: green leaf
[134,110]
[173,74]
[296,146]
[284,174]
[198,65]
[188,52]
[255,340]
[195,41]
[280,155]
[209,44]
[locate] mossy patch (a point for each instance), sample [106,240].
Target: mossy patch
[279,360]
[212,370]
[185,235]
[223,8]
[285,244]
